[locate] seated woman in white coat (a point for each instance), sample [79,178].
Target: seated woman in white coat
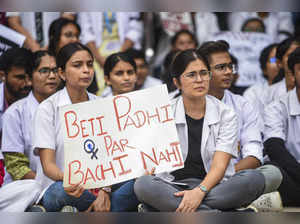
[208,132]
[75,67]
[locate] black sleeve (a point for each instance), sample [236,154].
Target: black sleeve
[277,152]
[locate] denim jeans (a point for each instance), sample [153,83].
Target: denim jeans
[238,191]
[122,198]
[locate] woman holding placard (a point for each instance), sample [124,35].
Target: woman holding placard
[208,131]
[75,68]
[119,74]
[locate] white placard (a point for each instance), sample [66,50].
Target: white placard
[246,47]
[9,37]
[111,140]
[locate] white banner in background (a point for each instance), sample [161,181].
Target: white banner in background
[10,38]
[246,47]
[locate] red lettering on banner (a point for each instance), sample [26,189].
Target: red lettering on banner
[76,172]
[140,123]
[127,122]
[116,103]
[115,147]
[124,143]
[100,126]
[163,157]
[154,159]
[92,125]
[87,173]
[82,129]
[175,145]
[107,145]
[123,172]
[153,116]
[167,113]
[96,172]
[106,170]
[68,116]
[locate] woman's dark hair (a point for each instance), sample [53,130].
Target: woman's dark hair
[113,59]
[66,52]
[183,59]
[176,36]
[243,29]
[166,76]
[264,55]
[211,47]
[55,32]
[294,58]
[37,58]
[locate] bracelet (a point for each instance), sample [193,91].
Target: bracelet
[106,189]
[203,188]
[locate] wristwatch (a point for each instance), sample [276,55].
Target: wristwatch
[203,188]
[106,189]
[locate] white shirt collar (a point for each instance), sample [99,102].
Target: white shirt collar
[211,114]
[294,104]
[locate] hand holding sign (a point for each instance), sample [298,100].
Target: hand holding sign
[131,133]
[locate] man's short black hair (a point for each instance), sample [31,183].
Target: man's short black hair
[211,47]
[136,54]
[17,57]
[294,58]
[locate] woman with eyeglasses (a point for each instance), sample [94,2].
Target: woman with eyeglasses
[17,140]
[208,131]
[75,67]
[63,31]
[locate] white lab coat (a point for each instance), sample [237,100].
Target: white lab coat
[18,195]
[220,133]
[48,132]
[28,22]
[257,95]
[249,135]
[17,130]
[282,120]
[275,91]
[206,26]
[129,26]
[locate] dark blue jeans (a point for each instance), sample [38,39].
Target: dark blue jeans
[122,198]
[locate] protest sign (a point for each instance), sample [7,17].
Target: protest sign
[246,47]
[111,140]
[10,38]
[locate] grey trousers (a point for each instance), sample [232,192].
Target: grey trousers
[238,191]
[273,177]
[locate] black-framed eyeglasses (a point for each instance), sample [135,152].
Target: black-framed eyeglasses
[223,67]
[46,71]
[204,75]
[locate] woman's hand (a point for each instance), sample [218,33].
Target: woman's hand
[75,190]
[101,204]
[151,173]
[191,199]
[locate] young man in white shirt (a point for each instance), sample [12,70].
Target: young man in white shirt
[284,49]
[15,67]
[250,147]
[281,135]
